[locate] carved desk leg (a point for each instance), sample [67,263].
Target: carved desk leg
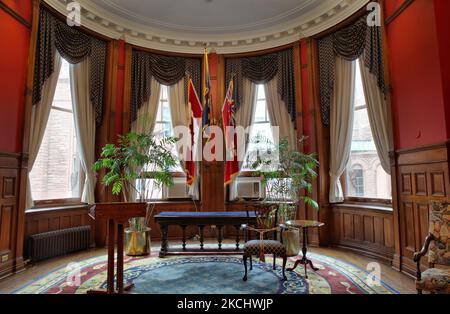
[184,237]
[164,240]
[238,227]
[219,236]
[202,236]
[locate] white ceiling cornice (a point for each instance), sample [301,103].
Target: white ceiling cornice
[322,17]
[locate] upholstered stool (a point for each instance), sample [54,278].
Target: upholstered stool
[253,248]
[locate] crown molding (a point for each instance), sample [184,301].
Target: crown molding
[326,15]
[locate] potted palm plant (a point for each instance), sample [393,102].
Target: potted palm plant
[287,181]
[128,165]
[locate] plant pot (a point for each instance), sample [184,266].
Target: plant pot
[137,243]
[291,240]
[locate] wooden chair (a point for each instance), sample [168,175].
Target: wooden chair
[437,244]
[265,244]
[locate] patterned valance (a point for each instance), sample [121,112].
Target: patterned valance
[349,43]
[262,69]
[74,46]
[166,70]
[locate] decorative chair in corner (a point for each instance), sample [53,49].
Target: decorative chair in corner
[437,245]
[265,244]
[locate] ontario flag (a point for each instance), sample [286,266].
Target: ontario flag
[195,129]
[229,124]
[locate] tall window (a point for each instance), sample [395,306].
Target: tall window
[163,125]
[163,128]
[365,178]
[56,172]
[261,128]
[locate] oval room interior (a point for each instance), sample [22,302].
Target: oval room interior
[210,147]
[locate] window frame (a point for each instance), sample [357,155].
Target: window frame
[247,172]
[174,174]
[69,201]
[357,199]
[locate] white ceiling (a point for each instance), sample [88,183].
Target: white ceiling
[226,26]
[209,16]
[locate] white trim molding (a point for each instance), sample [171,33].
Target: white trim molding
[321,18]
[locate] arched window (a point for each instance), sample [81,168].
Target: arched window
[357,180]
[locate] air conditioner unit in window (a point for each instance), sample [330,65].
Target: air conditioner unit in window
[249,188]
[179,189]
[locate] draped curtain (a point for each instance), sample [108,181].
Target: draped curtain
[244,117]
[363,42]
[181,116]
[378,112]
[146,120]
[84,121]
[350,43]
[279,115]
[146,115]
[149,71]
[261,70]
[341,125]
[39,118]
[166,70]
[74,46]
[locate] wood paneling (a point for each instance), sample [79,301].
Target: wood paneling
[423,173]
[44,220]
[365,230]
[10,257]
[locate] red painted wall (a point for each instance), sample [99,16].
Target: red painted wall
[442,12]
[14,48]
[118,123]
[417,89]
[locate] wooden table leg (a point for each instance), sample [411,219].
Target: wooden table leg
[119,258]
[184,237]
[219,236]
[202,236]
[164,240]
[110,273]
[304,260]
[238,228]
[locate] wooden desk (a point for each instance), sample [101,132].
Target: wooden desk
[116,214]
[202,219]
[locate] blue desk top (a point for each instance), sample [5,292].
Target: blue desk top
[207,214]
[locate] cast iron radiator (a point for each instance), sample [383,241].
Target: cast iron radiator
[56,243]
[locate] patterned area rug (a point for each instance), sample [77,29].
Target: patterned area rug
[209,275]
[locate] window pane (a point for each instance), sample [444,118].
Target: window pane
[148,190]
[261,92]
[63,98]
[261,111]
[56,172]
[163,127]
[365,176]
[261,129]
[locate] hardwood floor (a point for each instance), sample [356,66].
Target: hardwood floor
[397,280]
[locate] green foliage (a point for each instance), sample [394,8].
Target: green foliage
[289,179]
[131,160]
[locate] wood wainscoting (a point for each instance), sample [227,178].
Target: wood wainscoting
[58,218]
[11,227]
[422,176]
[366,230]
